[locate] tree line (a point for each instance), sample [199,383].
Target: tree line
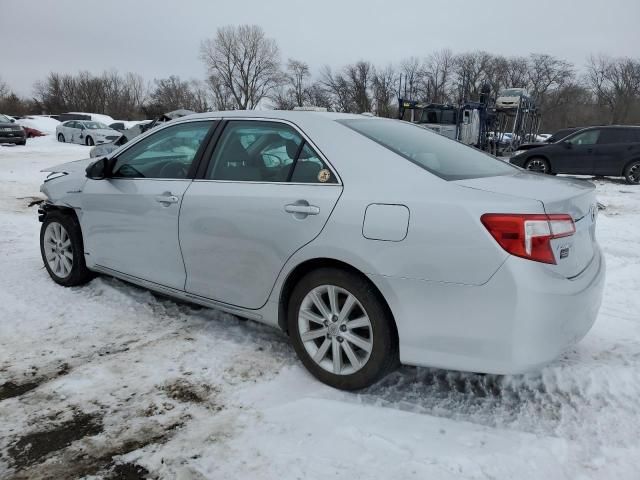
[245,71]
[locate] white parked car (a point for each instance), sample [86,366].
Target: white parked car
[512,98]
[85,132]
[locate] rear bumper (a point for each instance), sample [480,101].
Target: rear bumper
[522,318]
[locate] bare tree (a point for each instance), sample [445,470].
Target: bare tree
[297,76]
[616,85]
[437,70]
[319,96]
[384,91]
[244,61]
[221,95]
[359,81]
[411,70]
[547,72]
[338,90]
[4,88]
[173,93]
[470,74]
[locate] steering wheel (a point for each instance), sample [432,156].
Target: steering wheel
[173,170]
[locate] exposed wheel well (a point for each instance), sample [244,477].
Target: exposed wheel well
[314,264]
[47,208]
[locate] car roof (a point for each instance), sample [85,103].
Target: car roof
[290,115]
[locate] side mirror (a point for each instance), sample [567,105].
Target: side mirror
[566,144]
[13,120]
[99,170]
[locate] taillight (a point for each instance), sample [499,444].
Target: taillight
[528,235]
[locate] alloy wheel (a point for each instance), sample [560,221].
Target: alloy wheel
[58,250]
[335,329]
[537,165]
[634,173]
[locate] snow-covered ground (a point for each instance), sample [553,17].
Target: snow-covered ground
[108,380]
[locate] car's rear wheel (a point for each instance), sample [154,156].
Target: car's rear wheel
[632,173]
[341,330]
[89,142]
[61,137]
[62,249]
[537,164]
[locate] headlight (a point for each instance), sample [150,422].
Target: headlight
[518,152]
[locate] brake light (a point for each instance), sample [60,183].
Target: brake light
[529,235]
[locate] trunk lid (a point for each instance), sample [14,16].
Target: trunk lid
[558,195]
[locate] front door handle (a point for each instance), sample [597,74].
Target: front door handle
[302,209]
[167,199]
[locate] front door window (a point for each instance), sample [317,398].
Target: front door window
[169,153]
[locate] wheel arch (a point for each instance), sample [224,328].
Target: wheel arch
[47,208]
[542,156]
[627,164]
[302,269]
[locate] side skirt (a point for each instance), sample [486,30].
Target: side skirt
[179,294]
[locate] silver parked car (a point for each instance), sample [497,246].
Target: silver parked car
[513,98]
[85,132]
[369,241]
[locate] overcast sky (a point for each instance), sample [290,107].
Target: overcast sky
[157,38]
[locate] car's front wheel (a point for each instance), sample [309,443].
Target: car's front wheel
[89,142]
[61,137]
[632,173]
[537,164]
[62,249]
[341,330]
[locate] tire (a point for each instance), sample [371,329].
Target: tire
[57,229]
[537,164]
[23,143]
[356,368]
[61,138]
[89,142]
[632,173]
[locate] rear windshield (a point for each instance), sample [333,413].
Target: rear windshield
[439,155]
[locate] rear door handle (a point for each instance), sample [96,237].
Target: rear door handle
[167,199]
[302,209]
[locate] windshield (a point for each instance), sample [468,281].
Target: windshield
[4,119]
[94,125]
[439,155]
[512,92]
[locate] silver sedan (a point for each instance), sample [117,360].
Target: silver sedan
[370,242]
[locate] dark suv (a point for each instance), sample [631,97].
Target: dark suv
[609,151]
[11,132]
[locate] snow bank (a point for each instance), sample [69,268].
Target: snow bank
[200,394]
[97,117]
[44,124]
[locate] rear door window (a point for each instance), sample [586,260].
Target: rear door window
[448,159]
[266,151]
